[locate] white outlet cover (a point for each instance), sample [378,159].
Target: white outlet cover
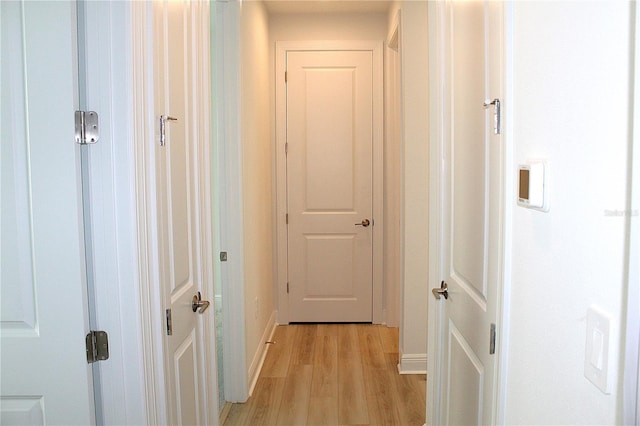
[597,351]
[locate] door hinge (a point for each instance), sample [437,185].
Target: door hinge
[287,287]
[497,119]
[286,218]
[169,326]
[492,339]
[286,148]
[97,344]
[285,76]
[86,127]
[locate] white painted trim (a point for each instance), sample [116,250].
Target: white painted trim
[376,47]
[229,178]
[631,370]
[261,352]
[437,63]
[393,287]
[209,373]
[109,91]
[503,313]
[146,220]
[412,364]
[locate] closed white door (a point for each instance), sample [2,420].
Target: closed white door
[184,218]
[45,377]
[473,215]
[329,185]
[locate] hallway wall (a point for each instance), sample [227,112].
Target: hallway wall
[257,175]
[570,92]
[414,192]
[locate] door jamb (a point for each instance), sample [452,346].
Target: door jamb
[437,108]
[631,369]
[282,47]
[230,189]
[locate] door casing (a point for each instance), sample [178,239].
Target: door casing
[282,47]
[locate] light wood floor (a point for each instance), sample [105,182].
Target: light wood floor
[333,374]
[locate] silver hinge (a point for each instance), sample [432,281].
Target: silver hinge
[97,344]
[169,326]
[86,127]
[163,125]
[492,340]
[286,218]
[285,76]
[496,115]
[287,287]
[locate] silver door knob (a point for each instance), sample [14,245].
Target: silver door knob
[365,223]
[442,291]
[198,303]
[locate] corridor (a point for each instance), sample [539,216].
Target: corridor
[333,374]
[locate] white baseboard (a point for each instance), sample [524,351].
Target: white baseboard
[261,352]
[412,364]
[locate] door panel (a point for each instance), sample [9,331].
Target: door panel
[180,164]
[329,178]
[473,184]
[45,377]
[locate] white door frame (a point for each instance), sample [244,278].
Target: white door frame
[282,47]
[228,187]
[439,51]
[119,85]
[122,396]
[631,369]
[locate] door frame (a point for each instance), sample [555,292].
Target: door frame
[631,319]
[281,261]
[439,107]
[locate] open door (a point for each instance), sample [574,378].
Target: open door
[468,222]
[183,191]
[43,322]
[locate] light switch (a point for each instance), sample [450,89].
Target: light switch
[596,363]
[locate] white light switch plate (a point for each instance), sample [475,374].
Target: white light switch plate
[597,354]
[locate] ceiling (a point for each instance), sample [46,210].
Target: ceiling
[281,7]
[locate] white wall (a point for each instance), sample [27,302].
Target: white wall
[414,197]
[571,94]
[257,175]
[392,147]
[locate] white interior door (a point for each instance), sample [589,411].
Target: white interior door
[45,377]
[184,213]
[473,214]
[329,179]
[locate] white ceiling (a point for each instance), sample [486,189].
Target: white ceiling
[326,6]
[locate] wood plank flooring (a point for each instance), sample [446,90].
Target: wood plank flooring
[333,374]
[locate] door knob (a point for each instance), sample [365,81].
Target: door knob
[442,291]
[197,302]
[365,223]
